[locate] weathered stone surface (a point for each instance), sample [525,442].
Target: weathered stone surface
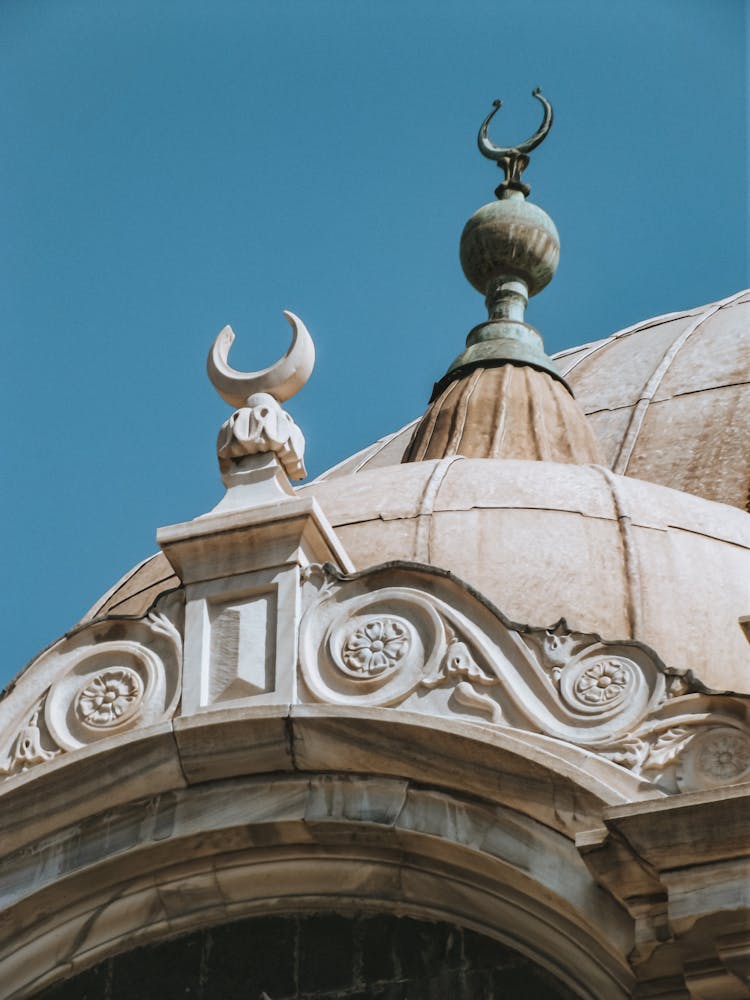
[505,412]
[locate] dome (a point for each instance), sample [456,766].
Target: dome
[544,540]
[668,399]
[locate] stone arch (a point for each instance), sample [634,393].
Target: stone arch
[254,838]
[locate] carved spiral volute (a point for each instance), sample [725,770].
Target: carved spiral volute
[372,649]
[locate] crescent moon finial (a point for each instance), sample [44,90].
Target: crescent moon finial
[514,159]
[280,380]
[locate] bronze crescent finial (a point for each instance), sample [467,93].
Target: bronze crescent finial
[514,159]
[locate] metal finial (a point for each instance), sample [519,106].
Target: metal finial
[514,159]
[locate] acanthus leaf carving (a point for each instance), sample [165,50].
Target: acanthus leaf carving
[666,748]
[458,662]
[27,748]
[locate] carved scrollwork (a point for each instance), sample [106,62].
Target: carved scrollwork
[110,677]
[105,691]
[430,646]
[370,649]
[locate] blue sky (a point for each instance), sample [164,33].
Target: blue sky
[170,166]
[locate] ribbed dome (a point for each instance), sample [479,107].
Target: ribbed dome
[506,411]
[544,540]
[668,399]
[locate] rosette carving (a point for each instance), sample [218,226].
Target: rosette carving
[110,698]
[716,755]
[724,755]
[601,683]
[111,686]
[375,646]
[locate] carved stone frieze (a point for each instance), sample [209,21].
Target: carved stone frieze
[103,680]
[415,637]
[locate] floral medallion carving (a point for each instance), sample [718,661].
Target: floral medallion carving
[111,683]
[716,755]
[724,755]
[376,645]
[110,698]
[603,682]
[369,649]
[600,684]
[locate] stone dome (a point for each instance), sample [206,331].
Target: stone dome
[544,540]
[668,399]
[604,547]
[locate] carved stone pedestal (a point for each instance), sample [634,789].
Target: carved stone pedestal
[241,571]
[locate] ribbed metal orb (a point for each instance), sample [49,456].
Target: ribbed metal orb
[512,238]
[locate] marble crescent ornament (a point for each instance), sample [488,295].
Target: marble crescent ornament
[493,152]
[281,380]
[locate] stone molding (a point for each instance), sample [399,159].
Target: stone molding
[264,625]
[216,851]
[681,867]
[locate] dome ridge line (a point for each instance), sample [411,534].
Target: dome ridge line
[624,454]
[631,569]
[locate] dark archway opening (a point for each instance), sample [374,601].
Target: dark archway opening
[318,957]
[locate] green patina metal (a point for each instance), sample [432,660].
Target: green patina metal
[510,249]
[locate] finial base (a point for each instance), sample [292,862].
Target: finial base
[252,481]
[503,190]
[497,342]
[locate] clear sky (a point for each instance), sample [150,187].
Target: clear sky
[170,166]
